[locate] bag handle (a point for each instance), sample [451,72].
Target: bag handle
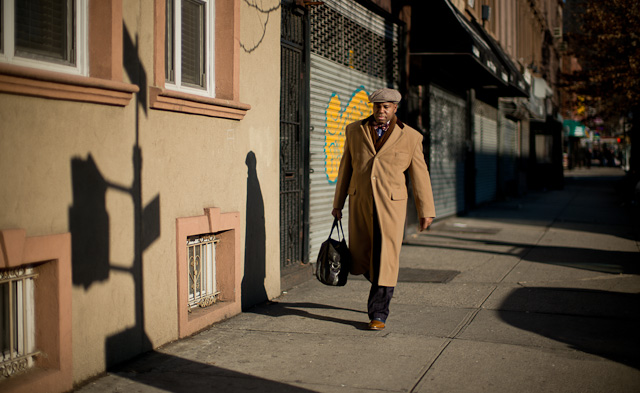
[335,224]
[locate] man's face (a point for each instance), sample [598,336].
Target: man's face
[384,111]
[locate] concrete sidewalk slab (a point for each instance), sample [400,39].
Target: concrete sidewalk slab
[460,295]
[477,367]
[326,362]
[528,295]
[576,275]
[566,301]
[613,339]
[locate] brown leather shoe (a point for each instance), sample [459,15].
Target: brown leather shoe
[376,324]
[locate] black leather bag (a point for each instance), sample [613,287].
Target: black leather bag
[334,259]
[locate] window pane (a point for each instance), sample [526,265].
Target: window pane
[169,43]
[193,27]
[544,145]
[44,28]
[4,321]
[198,270]
[18,311]
[192,272]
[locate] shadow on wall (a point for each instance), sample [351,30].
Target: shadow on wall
[253,291]
[601,323]
[90,228]
[261,13]
[89,224]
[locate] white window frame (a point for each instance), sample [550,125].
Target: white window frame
[81,38]
[209,84]
[21,350]
[204,292]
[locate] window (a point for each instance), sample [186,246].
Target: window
[206,25]
[202,270]
[189,48]
[45,34]
[544,147]
[17,321]
[208,269]
[44,50]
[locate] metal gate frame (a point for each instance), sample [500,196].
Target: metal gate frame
[294,178]
[447,153]
[485,140]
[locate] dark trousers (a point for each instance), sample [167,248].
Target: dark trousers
[379,300]
[379,297]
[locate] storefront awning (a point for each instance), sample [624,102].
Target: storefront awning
[574,128]
[443,42]
[517,86]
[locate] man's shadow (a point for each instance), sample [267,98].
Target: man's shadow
[253,290]
[278,309]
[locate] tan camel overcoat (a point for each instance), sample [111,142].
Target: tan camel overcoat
[366,176]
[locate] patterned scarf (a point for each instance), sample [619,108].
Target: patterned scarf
[382,128]
[380,137]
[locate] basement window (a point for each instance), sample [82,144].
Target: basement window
[201,258]
[17,324]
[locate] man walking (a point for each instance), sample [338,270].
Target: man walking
[378,151]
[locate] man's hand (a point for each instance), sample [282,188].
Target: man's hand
[337,213]
[425,222]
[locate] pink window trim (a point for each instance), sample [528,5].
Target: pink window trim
[228,269]
[52,257]
[227,68]
[103,86]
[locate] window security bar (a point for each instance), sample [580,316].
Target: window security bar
[17,326]
[202,271]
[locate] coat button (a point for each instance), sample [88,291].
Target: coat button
[373,178]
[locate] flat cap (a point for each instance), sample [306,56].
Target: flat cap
[385,95]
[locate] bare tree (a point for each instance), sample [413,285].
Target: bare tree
[604,36]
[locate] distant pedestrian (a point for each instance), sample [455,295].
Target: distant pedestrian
[378,151]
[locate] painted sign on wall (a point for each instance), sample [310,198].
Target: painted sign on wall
[336,119]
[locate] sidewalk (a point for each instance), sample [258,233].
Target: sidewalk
[538,294]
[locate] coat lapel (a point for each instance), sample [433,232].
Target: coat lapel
[393,138]
[366,136]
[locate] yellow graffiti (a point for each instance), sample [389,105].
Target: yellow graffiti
[336,121]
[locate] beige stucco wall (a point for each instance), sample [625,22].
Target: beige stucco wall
[39,138]
[261,82]
[189,162]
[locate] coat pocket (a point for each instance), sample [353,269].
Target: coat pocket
[399,194]
[401,159]
[351,190]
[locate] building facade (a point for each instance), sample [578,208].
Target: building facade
[138,171]
[165,164]
[478,79]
